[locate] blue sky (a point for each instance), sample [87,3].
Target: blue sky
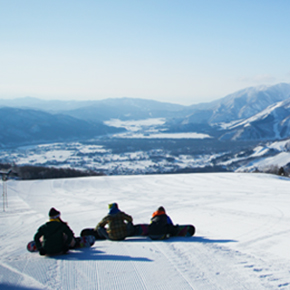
[183,52]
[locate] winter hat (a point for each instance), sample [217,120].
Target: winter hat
[113,205]
[161,208]
[53,213]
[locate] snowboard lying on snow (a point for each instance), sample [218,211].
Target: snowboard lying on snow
[181,231]
[185,231]
[142,230]
[82,242]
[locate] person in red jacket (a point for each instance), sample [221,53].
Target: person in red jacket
[161,225]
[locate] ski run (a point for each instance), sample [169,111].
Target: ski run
[242,235]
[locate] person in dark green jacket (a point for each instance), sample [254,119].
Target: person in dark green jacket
[55,236]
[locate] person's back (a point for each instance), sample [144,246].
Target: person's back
[54,237]
[161,225]
[118,229]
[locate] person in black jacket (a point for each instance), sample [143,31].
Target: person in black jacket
[161,225]
[55,236]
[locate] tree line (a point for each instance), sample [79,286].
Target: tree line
[27,172]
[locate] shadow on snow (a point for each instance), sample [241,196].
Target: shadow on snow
[88,254]
[93,254]
[4,286]
[193,239]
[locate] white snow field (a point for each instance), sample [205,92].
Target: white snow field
[242,239]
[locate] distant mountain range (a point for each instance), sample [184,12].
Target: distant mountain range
[243,104]
[256,113]
[27,126]
[126,109]
[122,108]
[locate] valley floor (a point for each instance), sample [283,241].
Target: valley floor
[242,238]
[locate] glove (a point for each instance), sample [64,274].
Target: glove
[42,251]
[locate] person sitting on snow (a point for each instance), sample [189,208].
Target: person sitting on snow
[119,224]
[55,236]
[161,225]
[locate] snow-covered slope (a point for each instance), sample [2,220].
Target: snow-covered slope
[248,102]
[267,157]
[270,123]
[242,239]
